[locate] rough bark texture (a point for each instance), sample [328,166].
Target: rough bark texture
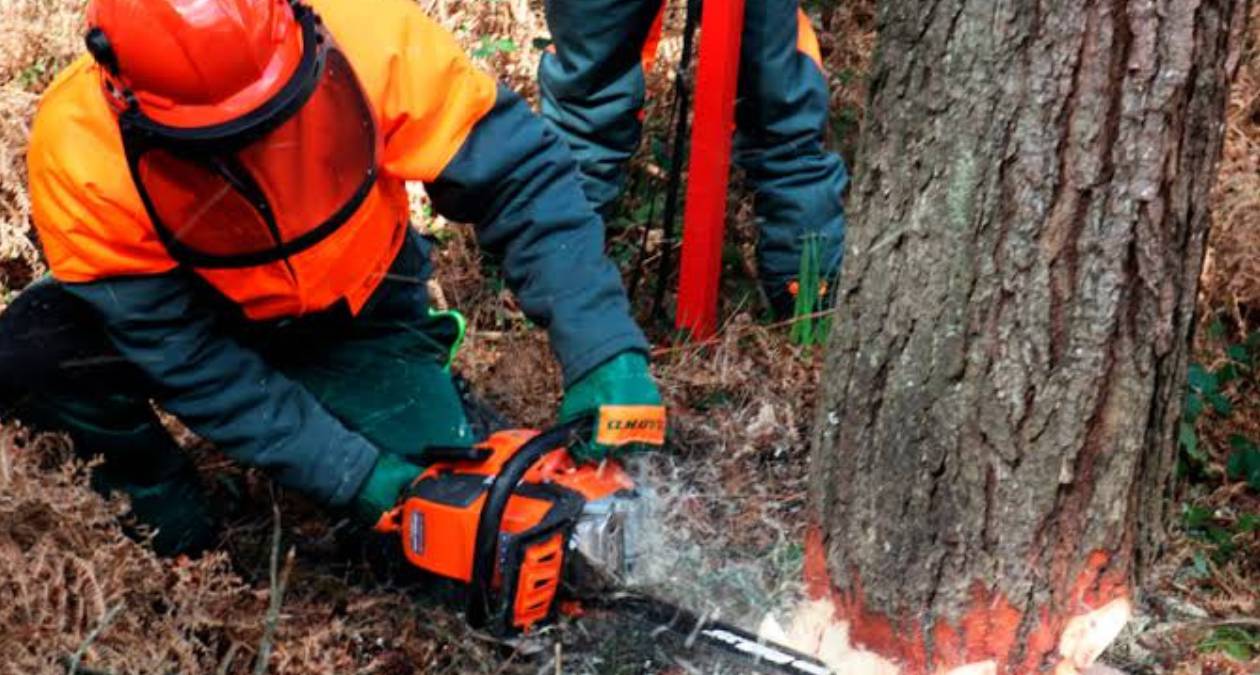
[996,433]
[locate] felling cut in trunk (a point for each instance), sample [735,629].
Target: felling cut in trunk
[996,431]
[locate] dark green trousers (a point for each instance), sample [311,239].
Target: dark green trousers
[592,90]
[383,374]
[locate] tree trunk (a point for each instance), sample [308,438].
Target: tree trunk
[996,432]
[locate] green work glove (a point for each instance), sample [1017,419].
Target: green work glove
[621,380]
[379,492]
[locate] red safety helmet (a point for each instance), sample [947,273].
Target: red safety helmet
[195,63]
[246,131]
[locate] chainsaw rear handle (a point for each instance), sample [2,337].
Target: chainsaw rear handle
[486,543]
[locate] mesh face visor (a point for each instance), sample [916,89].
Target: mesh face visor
[266,186]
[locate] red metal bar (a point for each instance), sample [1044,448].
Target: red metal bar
[704,218]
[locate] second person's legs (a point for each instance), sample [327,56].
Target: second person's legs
[592,86]
[780,117]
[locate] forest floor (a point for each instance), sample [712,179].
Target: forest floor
[730,496]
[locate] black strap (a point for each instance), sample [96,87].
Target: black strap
[682,105]
[451,453]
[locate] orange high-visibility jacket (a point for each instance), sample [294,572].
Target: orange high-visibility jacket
[484,158]
[426,97]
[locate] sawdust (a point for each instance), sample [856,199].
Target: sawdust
[812,630]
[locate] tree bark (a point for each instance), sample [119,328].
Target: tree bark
[996,433]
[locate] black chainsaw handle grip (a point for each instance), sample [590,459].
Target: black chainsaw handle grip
[486,546]
[453,453]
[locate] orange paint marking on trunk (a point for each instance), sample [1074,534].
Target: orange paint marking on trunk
[817,580]
[1041,641]
[868,630]
[948,644]
[898,640]
[988,630]
[1097,584]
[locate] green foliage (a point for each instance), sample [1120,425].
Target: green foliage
[1200,568]
[790,557]
[637,212]
[661,153]
[1214,394]
[488,46]
[1210,394]
[34,77]
[1204,524]
[846,122]
[622,252]
[1236,642]
[1244,461]
[808,328]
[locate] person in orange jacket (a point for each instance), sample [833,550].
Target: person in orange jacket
[219,191]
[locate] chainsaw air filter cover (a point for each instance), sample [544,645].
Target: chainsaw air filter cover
[440,514]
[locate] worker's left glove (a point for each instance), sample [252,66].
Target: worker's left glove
[623,380]
[380,490]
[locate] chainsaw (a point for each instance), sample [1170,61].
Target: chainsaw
[531,534]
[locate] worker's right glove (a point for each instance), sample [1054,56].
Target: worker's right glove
[622,392]
[379,492]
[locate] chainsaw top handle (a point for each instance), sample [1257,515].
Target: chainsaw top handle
[486,546]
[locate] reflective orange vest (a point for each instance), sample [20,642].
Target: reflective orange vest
[425,95]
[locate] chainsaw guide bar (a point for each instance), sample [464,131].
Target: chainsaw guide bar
[763,655]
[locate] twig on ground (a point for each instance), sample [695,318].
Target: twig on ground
[228,658]
[726,330]
[82,670]
[1202,625]
[278,580]
[508,661]
[686,665]
[6,464]
[695,631]
[73,666]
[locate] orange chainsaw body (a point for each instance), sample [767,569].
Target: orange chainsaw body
[438,517]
